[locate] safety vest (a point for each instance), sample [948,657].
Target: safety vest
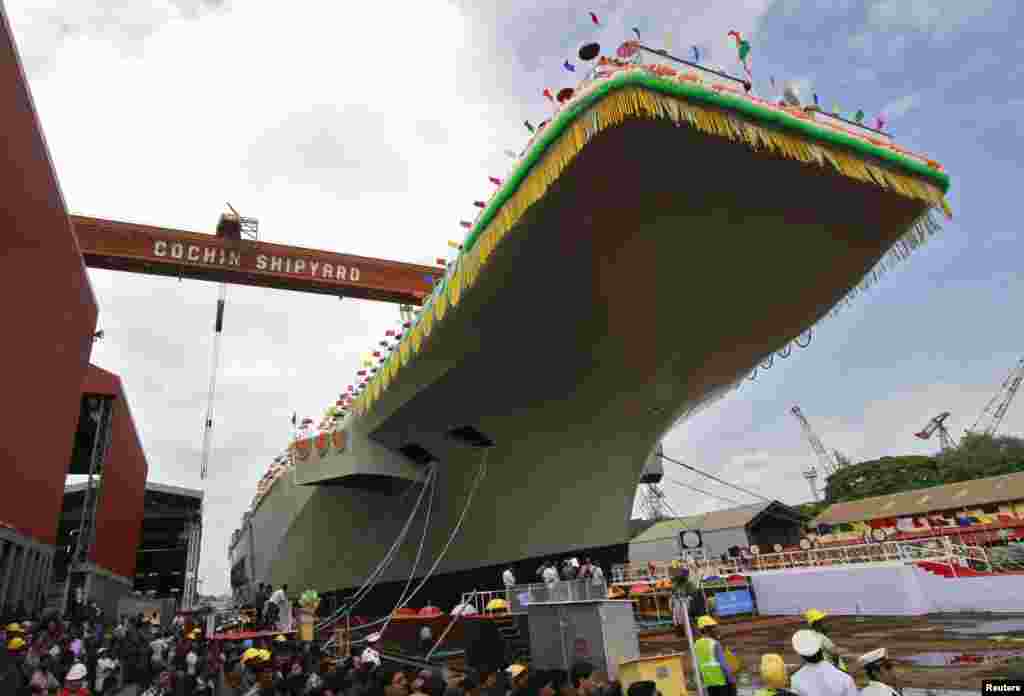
[711,672]
[826,652]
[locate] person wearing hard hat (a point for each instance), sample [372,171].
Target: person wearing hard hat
[370,655]
[817,621]
[878,667]
[74,681]
[774,678]
[714,669]
[818,676]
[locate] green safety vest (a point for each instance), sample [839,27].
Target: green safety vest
[711,672]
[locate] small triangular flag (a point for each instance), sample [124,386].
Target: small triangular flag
[637,32]
[569,66]
[495,180]
[549,95]
[696,54]
[859,117]
[467,225]
[594,19]
[879,123]
[816,99]
[479,204]
[529,126]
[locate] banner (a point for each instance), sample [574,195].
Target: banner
[733,603]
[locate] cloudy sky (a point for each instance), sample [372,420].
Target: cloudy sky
[371,127]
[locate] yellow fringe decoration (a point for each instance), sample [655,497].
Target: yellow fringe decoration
[633,103]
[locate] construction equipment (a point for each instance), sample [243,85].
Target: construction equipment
[992,415]
[811,474]
[829,464]
[938,424]
[653,503]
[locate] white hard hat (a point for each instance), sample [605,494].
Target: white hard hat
[77,672]
[807,643]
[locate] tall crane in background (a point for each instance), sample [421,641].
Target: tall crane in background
[938,424]
[829,464]
[653,503]
[992,415]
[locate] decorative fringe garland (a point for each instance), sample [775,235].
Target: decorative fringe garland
[612,110]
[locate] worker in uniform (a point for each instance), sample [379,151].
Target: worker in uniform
[774,678]
[370,654]
[878,667]
[711,660]
[818,676]
[817,621]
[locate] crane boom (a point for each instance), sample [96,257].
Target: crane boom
[828,464]
[992,415]
[938,423]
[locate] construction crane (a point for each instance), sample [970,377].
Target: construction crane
[992,415]
[829,464]
[653,503]
[938,424]
[811,474]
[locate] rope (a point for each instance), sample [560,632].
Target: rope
[715,478]
[447,628]
[419,552]
[458,526]
[698,490]
[371,579]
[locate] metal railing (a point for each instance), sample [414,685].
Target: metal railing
[519,597]
[944,550]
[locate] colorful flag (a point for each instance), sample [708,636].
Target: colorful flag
[743,49]
[454,245]
[479,204]
[495,180]
[569,66]
[549,95]
[467,225]
[529,126]
[637,32]
[879,123]
[594,19]
[859,116]
[816,99]
[389,332]
[696,54]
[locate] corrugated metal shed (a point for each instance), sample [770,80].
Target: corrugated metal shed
[951,496]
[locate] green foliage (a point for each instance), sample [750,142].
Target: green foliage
[976,456]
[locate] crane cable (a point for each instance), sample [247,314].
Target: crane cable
[713,477]
[372,578]
[451,537]
[698,490]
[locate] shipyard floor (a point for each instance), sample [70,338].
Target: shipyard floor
[921,647]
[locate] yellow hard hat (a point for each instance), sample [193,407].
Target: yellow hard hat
[814,615]
[705,621]
[15,644]
[14,628]
[280,639]
[773,671]
[251,654]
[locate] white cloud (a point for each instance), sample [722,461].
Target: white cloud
[902,106]
[336,126]
[937,17]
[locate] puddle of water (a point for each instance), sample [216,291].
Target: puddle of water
[960,659]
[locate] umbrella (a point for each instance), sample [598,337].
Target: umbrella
[463,610]
[497,604]
[640,588]
[429,611]
[406,611]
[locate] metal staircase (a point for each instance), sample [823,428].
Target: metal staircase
[518,644]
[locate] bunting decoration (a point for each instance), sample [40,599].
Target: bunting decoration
[480,204]
[549,95]
[594,19]
[879,123]
[696,54]
[569,66]
[743,49]
[637,32]
[816,99]
[467,225]
[495,180]
[529,126]
[859,116]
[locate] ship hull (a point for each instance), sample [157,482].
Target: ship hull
[656,272]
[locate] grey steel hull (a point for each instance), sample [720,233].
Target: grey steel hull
[619,305]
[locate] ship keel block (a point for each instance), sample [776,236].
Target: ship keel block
[660,265]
